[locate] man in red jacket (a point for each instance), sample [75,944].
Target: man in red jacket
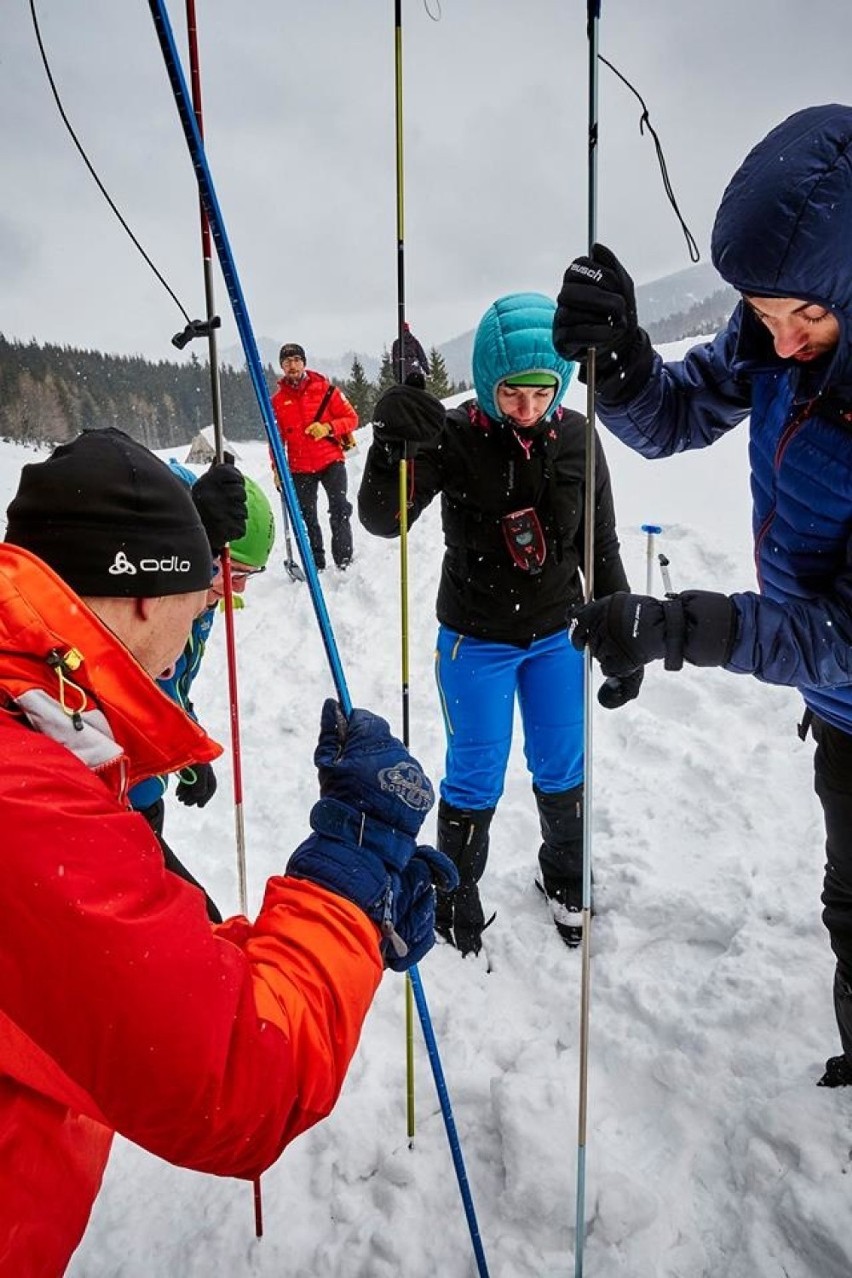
[121,1007]
[314,418]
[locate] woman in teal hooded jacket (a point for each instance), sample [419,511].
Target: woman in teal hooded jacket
[510,468]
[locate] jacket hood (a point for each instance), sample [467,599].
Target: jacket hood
[515,335]
[74,681]
[784,226]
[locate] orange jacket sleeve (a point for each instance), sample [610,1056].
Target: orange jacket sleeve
[210,1047]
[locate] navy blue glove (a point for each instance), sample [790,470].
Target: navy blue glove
[197,785]
[220,499]
[375,797]
[625,631]
[617,690]
[596,307]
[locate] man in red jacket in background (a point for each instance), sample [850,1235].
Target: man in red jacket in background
[121,1007]
[314,418]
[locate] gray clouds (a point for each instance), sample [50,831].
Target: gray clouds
[299,122]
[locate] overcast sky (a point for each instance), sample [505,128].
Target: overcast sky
[299,123]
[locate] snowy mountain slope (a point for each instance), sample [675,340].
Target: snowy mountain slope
[710,1152]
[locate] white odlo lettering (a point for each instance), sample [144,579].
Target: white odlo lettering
[636,619]
[590,271]
[173,564]
[121,564]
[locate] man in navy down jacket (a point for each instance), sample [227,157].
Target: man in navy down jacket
[783,238]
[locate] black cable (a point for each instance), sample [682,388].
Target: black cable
[644,120]
[88,165]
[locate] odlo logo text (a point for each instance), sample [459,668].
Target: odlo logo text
[122,565]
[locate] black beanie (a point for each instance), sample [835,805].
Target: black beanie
[292,348]
[111,520]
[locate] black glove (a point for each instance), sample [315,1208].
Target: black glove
[220,499]
[375,797]
[617,690]
[405,417]
[197,785]
[625,631]
[596,307]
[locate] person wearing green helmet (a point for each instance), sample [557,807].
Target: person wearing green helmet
[249,553]
[249,556]
[255,546]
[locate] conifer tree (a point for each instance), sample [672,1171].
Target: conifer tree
[438,383]
[49,393]
[359,391]
[387,376]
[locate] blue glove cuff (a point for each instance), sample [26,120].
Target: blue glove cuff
[338,821]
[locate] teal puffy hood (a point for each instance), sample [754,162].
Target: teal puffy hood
[515,335]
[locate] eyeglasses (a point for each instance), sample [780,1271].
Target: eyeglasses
[238,573]
[241,574]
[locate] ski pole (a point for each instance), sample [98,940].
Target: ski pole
[403,505]
[651,531]
[254,366]
[592,20]
[294,571]
[449,1124]
[227,265]
[400,193]
[218,433]
[667,581]
[219,437]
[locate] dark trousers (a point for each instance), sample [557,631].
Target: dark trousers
[833,785]
[333,480]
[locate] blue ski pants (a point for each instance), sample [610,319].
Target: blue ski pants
[477,683]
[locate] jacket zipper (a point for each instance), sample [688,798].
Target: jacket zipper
[780,449]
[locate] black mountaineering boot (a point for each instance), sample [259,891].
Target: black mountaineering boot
[463,837]
[444,914]
[838,1069]
[838,1073]
[561,859]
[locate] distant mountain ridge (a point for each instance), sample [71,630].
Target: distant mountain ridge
[670,294]
[682,295]
[695,298]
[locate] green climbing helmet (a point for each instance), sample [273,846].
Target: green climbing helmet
[255,546]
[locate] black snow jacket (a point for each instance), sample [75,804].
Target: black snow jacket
[413,356]
[483,471]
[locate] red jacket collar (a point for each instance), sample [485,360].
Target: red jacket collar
[63,668]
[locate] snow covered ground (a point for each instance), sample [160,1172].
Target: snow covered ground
[710,1151]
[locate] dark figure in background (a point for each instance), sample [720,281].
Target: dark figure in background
[782,238]
[414,361]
